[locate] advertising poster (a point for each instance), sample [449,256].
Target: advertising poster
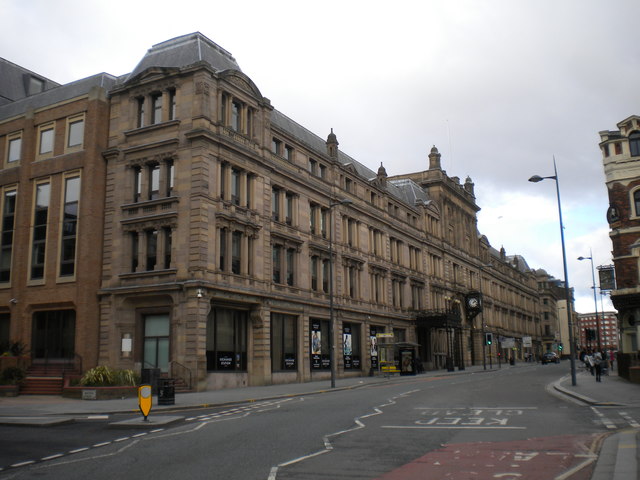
[373,350]
[316,346]
[347,347]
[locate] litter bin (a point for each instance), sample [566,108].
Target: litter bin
[166,391]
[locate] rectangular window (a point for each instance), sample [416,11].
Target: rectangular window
[223,109]
[137,184]
[69,226]
[152,249]
[314,273]
[45,142]
[6,235]
[275,204]
[235,186]
[14,149]
[154,181]
[75,133]
[134,251]
[323,171]
[156,108]
[236,119]
[250,114]
[283,342]
[290,265]
[170,179]
[288,152]
[617,148]
[289,208]
[323,222]
[167,246]
[325,275]
[172,104]
[140,119]
[276,258]
[39,232]
[352,273]
[313,223]
[313,167]
[5,322]
[320,346]
[226,340]
[223,248]
[276,146]
[236,248]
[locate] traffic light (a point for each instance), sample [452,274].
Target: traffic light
[560,347]
[488,338]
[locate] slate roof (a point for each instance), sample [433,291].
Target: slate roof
[15,82]
[405,190]
[57,94]
[184,51]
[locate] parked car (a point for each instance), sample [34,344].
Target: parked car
[550,357]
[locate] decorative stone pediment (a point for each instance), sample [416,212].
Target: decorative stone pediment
[241,81]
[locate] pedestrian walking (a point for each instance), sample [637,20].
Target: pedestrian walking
[589,363]
[612,357]
[597,362]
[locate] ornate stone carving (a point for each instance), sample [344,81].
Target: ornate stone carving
[202,88]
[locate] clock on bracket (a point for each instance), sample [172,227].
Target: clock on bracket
[474,301]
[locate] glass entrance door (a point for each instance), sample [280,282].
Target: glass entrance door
[156,342]
[54,334]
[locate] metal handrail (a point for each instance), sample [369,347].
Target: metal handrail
[177,370]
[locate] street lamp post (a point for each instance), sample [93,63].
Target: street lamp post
[595,301]
[332,346]
[536,179]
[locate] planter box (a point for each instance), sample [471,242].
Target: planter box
[20,362]
[9,390]
[100,393]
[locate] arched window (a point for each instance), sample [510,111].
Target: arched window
[634,144]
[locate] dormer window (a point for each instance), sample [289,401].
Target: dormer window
[36,85]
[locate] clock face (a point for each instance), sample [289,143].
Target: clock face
[473,302]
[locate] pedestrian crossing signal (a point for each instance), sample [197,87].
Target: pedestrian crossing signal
[488,338]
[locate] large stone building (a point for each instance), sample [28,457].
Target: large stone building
[621,159]
[230,237]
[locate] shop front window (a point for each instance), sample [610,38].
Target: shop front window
[227,340]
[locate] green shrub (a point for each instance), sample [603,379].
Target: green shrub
[127,377]
[104,376]
[12,376]
[13,349]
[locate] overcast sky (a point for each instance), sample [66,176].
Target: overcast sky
[500,87]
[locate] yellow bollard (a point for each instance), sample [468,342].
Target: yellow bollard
[145,400]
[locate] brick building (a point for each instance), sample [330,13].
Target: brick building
[621,159]
[598,331]
[52,201]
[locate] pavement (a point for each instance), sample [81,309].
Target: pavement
[617,459]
